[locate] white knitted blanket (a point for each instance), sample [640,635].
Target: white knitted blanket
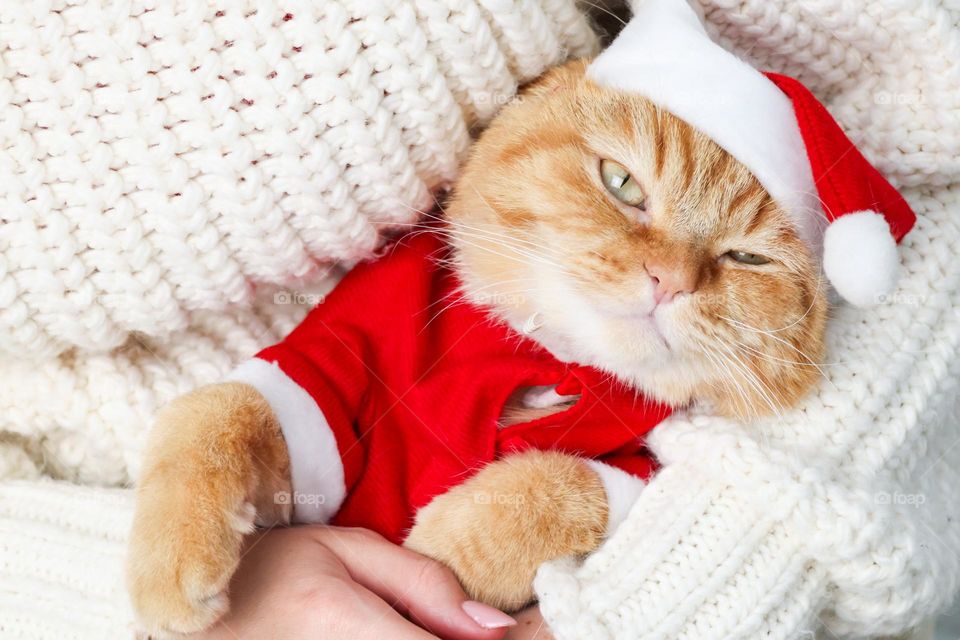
[168,175]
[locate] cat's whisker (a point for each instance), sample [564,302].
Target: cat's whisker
[739,325]
[716,365]
[605,10]
[482,247]
[535,257]
[487,233]
[757,381]
[517,230]
[489,285]
[726,377]
[465,300]
[481,233]
[514,293]
[770,394]
[800,318]
[415,228]
[456,230]
[509,237]
[767,391]
[475,290]
[747,375]
[792,363]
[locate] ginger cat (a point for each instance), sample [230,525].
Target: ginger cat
[592,228]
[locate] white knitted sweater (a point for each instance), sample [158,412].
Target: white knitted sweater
[168,174]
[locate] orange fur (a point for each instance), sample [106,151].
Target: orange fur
[535,232]
[509,518]
[214,462]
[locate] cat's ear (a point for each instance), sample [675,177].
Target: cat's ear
[566,77]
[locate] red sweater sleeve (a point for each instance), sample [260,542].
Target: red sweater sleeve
[328,358]
[338,356]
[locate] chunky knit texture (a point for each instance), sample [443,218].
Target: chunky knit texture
[175,179]
[841,515]
[167,174]
[170,159]
[62,549]
[840,518]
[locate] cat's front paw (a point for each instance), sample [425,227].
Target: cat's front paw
[497,528]
[184,548]
[214,457]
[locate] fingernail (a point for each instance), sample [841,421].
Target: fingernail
[486,616]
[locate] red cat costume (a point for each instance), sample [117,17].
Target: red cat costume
[390,391]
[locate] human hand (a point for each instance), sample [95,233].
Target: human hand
[313,581]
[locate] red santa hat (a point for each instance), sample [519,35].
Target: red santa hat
[842,207]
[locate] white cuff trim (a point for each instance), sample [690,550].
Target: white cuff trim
[622,490]
[316,470]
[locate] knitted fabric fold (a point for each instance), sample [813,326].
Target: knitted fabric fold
[176,182]
[166,255]
[170,159]
[61,561]
[837,519]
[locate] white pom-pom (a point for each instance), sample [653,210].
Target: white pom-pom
[860,257]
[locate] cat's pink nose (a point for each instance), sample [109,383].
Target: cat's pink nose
[669,281]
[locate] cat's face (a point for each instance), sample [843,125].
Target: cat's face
[622,238]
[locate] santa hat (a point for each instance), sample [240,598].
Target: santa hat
[842,207]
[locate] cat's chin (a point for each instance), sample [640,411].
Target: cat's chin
[640,344]
[632,347]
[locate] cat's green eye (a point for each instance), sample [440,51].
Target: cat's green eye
[621,184]
[753,259]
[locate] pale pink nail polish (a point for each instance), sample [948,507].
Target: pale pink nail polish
[486,616]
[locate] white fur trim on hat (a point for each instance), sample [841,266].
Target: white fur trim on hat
[860,257]
[665,55]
